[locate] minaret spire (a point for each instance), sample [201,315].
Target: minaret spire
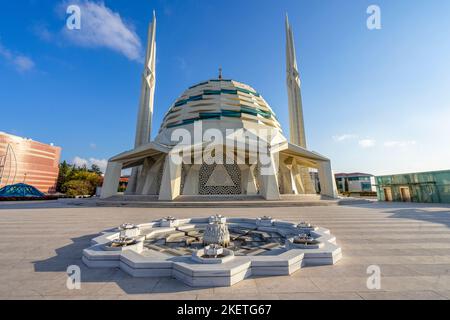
[145,114]
[297,126]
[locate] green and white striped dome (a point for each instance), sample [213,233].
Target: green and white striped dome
[227,101]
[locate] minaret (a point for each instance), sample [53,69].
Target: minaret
[297,125]
[145,112]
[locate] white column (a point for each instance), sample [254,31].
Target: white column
[171,180]
[132,181]
[111,181]
[151,180]
[248,180]
[289,179]
[252,188]
[269,181]
[144,172]
[326,178]
[192,181]
[299,183]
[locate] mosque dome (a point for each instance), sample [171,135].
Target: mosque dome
[224,104]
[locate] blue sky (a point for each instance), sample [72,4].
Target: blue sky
[376,101]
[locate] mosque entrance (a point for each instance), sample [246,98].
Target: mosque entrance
[220,179]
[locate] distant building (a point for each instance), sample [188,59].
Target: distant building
[123,182]
[426,187]
[355,182]
[26,161]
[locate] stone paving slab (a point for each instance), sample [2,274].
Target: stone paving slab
[409,242]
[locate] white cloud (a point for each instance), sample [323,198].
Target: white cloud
[367,143]
[21,62]
[399,144]
[343,137]
[101,163]
[80,162]
[102,27]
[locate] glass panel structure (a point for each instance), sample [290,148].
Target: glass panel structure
[425,187]
[20,190]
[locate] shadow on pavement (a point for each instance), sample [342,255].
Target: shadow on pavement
[441,217]
[61,203]
[71,255]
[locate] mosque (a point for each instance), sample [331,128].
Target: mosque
[232,143]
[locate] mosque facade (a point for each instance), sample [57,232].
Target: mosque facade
[220,138]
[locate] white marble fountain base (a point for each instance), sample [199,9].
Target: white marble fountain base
[139,261]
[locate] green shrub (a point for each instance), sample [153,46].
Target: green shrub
[75,181]
[78,188]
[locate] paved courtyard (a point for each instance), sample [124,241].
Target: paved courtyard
[409,242]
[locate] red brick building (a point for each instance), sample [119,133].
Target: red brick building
[26,161]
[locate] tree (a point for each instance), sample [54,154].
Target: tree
[82,183]
[78,181]
[64,171]
[78,188]
[96,169]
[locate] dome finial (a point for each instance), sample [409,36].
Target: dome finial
[220,73]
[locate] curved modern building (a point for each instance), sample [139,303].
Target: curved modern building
[220,137]
[27,161]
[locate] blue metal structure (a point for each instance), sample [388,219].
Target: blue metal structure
[20,190]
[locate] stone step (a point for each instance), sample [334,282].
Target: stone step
[305,200]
